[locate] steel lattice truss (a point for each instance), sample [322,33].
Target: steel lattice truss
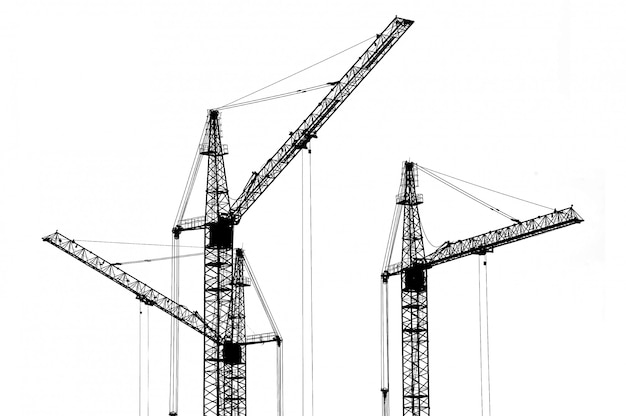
[488,241]
[235,350]
[519,231]
[143,292]
[218,265]
[415,394]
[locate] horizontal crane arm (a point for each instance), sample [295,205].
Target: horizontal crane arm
[143,292]
[519,231]
[263,338]
[261,180]
[488,241]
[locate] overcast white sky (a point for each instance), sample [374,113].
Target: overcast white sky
[103,103]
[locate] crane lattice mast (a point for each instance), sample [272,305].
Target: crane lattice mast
[218,265]
[414,302]
[235,345]
[414,282]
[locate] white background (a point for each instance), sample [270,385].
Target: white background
[103,103]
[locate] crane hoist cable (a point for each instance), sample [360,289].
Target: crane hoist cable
[426,237]
[308,284]
[311,275]
[174,327]
[302,283]
[485,365]
[141,367]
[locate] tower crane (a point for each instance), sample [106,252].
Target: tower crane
[221,216]
[224,351]
[413,271]
[242,277]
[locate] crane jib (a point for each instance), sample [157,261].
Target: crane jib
[143,292]
[318,117]
[496,238]
[299,138]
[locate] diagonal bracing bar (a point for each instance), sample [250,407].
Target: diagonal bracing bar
[218,267]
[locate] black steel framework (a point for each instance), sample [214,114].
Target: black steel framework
[142,291]
[413,272]
[224,317]
[218,265]
[220,217]
[415,393]
[486,242]
[234,338]
[235,344]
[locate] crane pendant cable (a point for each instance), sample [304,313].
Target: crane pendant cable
[483,322]
[296,73]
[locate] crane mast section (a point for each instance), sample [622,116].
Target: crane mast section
[502,236]
[261,180]
[143,292]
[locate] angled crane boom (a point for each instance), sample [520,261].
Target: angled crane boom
[488,241]
[308,129]
[143,292]
[148,295]
[298,139]
[221,217]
